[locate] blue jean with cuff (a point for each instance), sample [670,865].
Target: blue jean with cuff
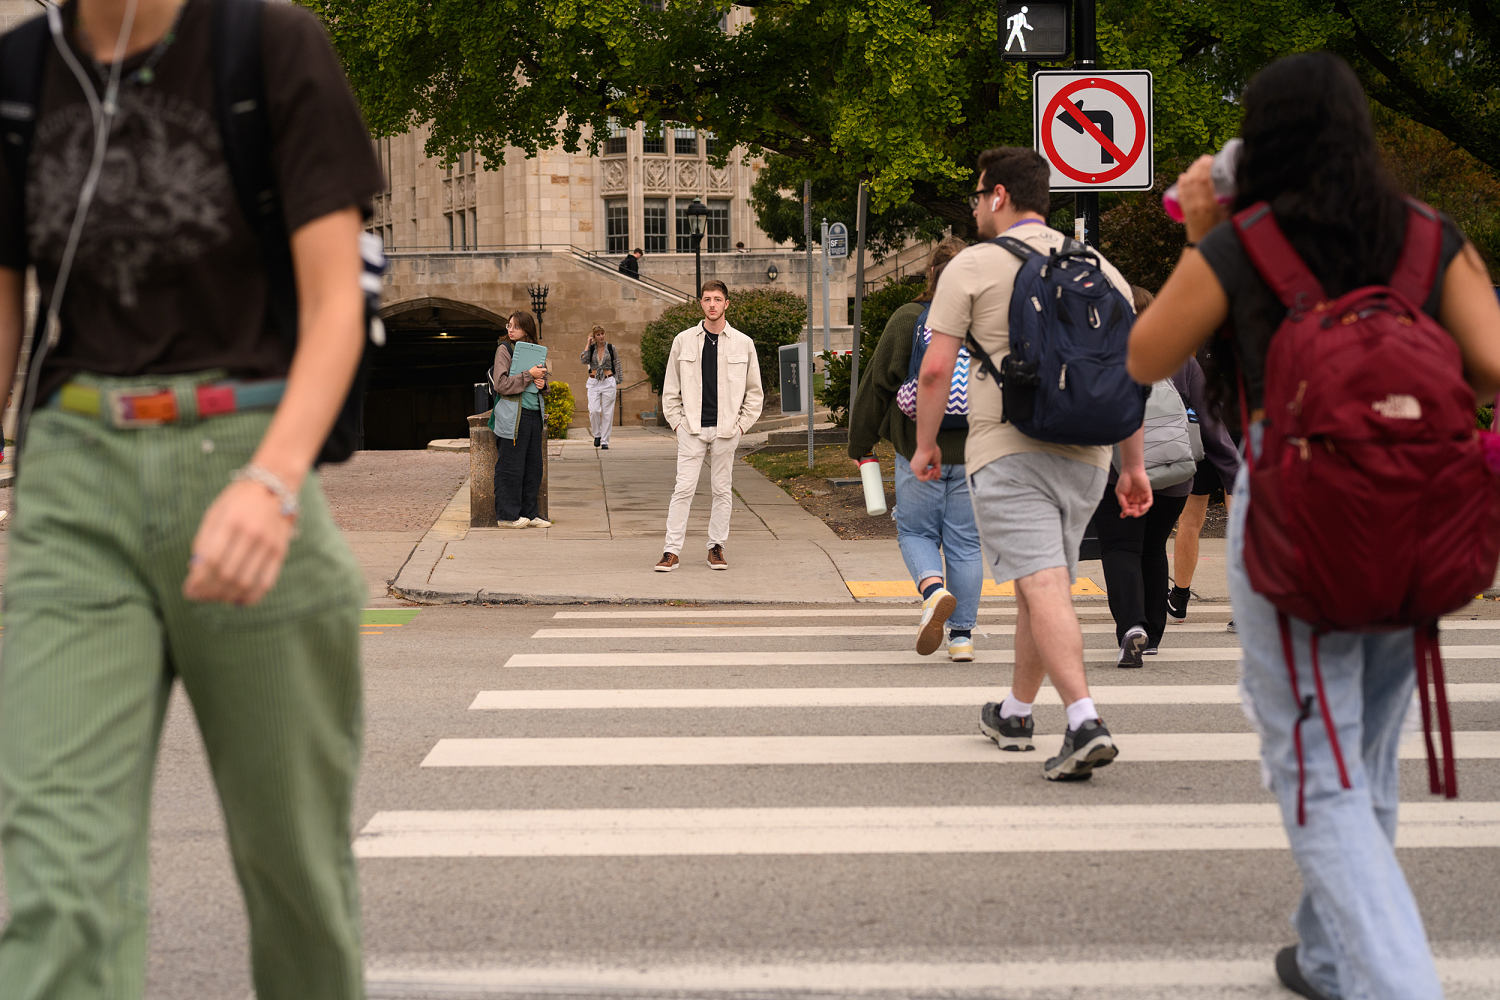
[934,521]
[1360,936]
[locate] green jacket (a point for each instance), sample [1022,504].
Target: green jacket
[876,414]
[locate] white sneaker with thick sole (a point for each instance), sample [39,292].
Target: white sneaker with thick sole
[520,522]
[540,522]
[935,612]
[961,650]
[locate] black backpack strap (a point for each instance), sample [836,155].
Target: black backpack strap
[245,129]
[1020,248]
[23,61]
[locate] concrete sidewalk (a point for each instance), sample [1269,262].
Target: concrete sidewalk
[609,512]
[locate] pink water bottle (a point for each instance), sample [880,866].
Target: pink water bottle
[1225,161]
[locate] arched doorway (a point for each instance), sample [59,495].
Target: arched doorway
[421,384]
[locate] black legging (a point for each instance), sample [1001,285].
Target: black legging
[1134,551]
[518,469]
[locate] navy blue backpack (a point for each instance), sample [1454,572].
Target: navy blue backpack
[1064,380]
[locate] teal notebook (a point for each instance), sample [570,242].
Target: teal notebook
[524,354]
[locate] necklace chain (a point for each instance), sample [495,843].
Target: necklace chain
[145,73]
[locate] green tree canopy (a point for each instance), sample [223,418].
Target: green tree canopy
[901,93]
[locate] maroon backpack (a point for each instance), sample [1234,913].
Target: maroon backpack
[1374,507]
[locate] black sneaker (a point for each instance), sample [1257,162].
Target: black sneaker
[596,442]
[1151,650]
[1230,627]
[1083,749]
[1291,975]
[1177,602]
[1009,733]
[1131,647]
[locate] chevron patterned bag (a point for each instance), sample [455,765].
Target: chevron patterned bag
[956,413]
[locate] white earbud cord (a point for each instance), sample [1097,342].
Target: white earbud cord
[103,113]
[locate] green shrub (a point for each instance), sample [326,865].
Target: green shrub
[876,311]
[1484,416]
[770,317]
[558,409]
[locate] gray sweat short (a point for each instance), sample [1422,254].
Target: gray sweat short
[1032,509]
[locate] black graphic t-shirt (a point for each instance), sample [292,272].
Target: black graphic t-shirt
[168,275]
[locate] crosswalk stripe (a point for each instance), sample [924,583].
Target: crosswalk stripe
[1228,977]
[685,751]
[881,830]
[887,657]
[803,631]
[888,611]
[623,699]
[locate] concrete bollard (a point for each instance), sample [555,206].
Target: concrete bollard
[482,456]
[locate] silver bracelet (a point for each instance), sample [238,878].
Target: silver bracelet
[290,505]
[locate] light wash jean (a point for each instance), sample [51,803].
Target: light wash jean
[934,520]
[1360,935]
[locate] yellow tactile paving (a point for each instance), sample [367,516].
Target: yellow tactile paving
[1082,587]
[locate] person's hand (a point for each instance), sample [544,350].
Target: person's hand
[537,371]
[1201,210]
[240,546]
[927,463]
[1133,491]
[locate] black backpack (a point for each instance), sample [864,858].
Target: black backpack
[245,130]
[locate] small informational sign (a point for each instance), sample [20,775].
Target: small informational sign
[1035,31]
[793,358]
[838,240]
[1095,129]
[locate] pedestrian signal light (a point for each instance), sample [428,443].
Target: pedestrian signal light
[1035,31]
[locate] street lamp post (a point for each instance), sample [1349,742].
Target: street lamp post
[697,214]
[538,305]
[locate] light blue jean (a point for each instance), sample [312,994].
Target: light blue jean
[1360,935]
[934,520]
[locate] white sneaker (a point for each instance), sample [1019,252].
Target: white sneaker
[520,522]
[540,522]
[935,612]
[961,649]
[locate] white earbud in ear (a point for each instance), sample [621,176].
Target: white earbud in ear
[995,204]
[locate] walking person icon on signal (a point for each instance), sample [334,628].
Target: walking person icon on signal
[1016,22]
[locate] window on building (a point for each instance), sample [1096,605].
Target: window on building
[654,141]
[615,144]
[684,228]
[616,227]
[451,232]
[685,141]
[463,230]
[716,233]
[655,227]
[474,227]
[710,143]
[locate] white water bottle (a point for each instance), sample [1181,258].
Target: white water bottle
[869,474]
[1226,161]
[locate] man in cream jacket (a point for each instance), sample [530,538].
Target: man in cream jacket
[709,414]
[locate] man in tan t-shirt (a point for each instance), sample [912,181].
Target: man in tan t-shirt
[1032,499]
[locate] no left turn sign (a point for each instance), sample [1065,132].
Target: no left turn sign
[1095,129]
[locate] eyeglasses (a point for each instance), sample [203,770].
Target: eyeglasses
[974,197]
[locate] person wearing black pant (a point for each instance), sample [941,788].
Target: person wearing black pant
[518,462]
[1134,549]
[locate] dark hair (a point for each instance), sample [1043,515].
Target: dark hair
[639,251]
[946,250]
[1024,173]
[527,323]
[1140,298]
[1310,153]
[714,284]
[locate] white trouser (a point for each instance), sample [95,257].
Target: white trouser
[690,454]
[601,393]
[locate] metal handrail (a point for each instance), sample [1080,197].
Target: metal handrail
[620,399]
[594,257]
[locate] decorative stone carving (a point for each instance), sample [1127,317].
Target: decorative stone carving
[687,176]
[614,178]
[720,180]
[656,175]
[447,196]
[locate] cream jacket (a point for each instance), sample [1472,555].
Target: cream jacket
[740,395]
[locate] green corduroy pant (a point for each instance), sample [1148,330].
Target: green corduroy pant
[97,632]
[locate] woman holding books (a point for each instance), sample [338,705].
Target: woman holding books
[518,466]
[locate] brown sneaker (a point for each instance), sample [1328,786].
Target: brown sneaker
[668,562]
[716,557]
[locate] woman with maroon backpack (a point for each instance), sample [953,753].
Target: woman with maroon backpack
[1361,328]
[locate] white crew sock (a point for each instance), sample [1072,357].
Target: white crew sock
[1081,711]
[1010,708]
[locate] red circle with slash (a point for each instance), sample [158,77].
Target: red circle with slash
[1124,160]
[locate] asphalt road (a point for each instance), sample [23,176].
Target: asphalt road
[766,902]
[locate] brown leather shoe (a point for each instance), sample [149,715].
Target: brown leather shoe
[716,557]
[668,562]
